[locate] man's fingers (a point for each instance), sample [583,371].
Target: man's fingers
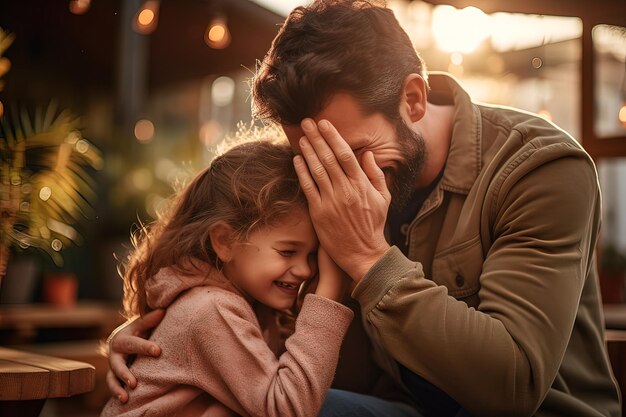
[316,168]
[306,181]
[118,366]
[375,175]
[130,345]
[326,155]
[116,388]
[340,149]
[148,321]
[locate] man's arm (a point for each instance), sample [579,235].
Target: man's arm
[130,339]
[502,358]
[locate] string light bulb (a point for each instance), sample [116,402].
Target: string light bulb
[147,17]
[217,35]
[79,7]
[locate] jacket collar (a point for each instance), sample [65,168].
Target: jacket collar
[464,157]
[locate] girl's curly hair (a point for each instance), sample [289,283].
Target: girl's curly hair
[251,185]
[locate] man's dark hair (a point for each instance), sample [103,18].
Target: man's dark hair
[351,46]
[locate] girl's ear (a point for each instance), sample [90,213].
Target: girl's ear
[222,239]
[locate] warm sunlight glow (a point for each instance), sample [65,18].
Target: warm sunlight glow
[514,31]
[456,58]
[459,30]
[464,30]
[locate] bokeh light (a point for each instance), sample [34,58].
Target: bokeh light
[144,130]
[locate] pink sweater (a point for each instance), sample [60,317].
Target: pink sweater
[216,358]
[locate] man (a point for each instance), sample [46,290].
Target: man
[478,288]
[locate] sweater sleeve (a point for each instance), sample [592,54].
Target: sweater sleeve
[501,358]
[232,362]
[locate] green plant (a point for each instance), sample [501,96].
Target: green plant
[44,185]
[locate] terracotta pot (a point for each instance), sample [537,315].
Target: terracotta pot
[60,289]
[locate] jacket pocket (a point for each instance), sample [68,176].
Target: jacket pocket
[459,267]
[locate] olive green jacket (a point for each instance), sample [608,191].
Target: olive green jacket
[497,303]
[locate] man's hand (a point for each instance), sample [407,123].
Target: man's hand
[129,339]
[348,204]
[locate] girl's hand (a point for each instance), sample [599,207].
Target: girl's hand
[129,339]
[332,280]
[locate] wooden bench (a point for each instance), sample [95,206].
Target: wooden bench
[28,379]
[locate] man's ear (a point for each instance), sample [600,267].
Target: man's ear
[413,102]
[222,239]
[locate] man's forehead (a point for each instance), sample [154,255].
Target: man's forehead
[342,110]
[295,132]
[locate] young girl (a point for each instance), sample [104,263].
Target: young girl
[232,252]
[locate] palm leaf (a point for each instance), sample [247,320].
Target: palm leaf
[47,155]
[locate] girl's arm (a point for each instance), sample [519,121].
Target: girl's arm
[230,360]
[332,280]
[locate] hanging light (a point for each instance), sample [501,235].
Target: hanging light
[147,17]
[79,7]
[217,35]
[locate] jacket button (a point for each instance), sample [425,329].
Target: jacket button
[460,281]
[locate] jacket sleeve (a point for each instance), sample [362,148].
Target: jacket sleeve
[501,358]
[227,349]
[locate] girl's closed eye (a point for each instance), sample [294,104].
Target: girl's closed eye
[286,253]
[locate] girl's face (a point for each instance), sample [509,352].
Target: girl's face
[275,261]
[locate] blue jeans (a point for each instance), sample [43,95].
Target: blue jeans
[341,403]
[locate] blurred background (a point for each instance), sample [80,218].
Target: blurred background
[153,86]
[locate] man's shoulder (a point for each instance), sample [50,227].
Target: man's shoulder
[522,125]
[511,137]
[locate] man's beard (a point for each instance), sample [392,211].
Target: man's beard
[403,179]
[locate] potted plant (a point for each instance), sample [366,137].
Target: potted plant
[45,188]
[612,274]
